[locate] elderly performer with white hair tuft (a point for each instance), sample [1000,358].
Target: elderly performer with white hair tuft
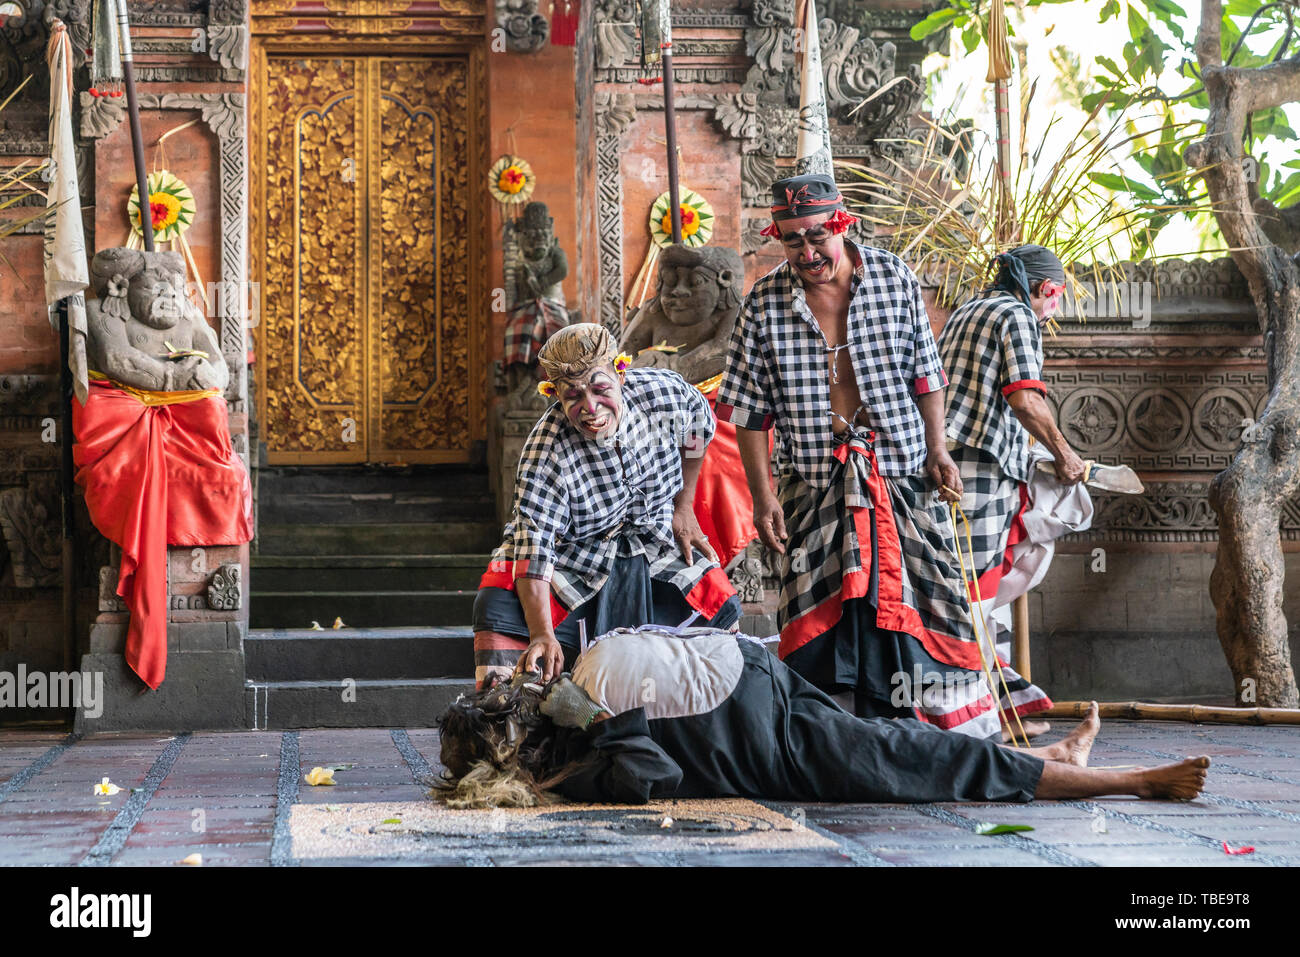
[603,533]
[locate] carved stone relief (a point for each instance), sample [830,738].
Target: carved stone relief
[225,592]
[1157,419]
[746,573]
[223,113]
[614,114]
[29,518]
[525,29]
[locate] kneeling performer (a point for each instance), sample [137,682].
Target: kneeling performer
[603,532]
[655,713]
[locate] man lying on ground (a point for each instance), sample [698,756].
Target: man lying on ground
[656,712]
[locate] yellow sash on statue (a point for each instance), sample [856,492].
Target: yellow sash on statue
[150,397]
[708,385]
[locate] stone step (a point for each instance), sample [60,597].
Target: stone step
[434,538]
[361,609]
[292,573]
[360,494]
[278,481]
[375,508]
[379,654]
[410,703]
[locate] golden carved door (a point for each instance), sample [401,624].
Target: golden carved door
[366,351]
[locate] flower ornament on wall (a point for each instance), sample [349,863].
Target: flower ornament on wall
[697,228]
[697,220]
[511,180]
[171,206]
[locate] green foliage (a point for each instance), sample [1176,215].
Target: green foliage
[941,208]
[17,183]
[1135,78]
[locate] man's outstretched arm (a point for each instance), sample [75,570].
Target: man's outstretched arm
[1036,416]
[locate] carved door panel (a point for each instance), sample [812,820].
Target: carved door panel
[365,350]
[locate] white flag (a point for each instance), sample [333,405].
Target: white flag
[66,275]
[814,153]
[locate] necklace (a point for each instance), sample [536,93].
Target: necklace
[832,361]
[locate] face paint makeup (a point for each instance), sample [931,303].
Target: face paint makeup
[1051,292]
[593,403]
[811,249]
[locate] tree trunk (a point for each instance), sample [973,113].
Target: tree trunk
[1248,496]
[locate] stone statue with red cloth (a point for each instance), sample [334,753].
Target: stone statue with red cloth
[153,449]
[687,327]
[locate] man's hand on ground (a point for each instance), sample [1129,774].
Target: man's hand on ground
[943,472]
[543,654]
[687,532]
[770,522]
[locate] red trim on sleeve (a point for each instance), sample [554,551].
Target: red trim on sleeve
[1025,384]
[930,383]
[500,575]
[724,413]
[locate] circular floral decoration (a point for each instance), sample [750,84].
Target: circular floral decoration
[171,206]
[697,220]
[511,180]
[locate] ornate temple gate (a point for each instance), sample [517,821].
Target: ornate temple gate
[366,234]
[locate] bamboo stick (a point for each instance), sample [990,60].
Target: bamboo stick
[1020,629]
[1145,711]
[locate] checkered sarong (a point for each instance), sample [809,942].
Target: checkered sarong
[992,501]
[919,584]
[529,326]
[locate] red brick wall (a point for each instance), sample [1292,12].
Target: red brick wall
[28,344]
[534,94]
[710,165]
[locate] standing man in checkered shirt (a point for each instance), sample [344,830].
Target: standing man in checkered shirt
[834,349]
[992,347]
[603,533]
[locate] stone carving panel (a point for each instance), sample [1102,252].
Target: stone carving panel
[524,28]
[1092,420]
[29,518]
[1220,417]
[1158,419]
[1164,419]
[225,591]
[614,114]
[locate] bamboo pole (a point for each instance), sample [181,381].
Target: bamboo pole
[670,134]
[67,496]
[1020,629]
[1200,713]
[133,116]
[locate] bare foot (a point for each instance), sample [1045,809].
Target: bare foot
[1179,782]
[1078,743]
[1032,730]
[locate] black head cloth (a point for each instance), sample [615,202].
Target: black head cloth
[798,196]
[1023,266]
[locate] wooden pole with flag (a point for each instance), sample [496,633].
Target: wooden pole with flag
[66,278]
[133,114]
[814,149]
[657,47]
[999,75]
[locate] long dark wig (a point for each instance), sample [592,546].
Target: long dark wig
[497,749]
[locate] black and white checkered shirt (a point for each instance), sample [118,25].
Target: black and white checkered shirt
[778,371]
[991,347]
[579,501]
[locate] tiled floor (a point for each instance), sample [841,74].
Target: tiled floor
[240,799]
